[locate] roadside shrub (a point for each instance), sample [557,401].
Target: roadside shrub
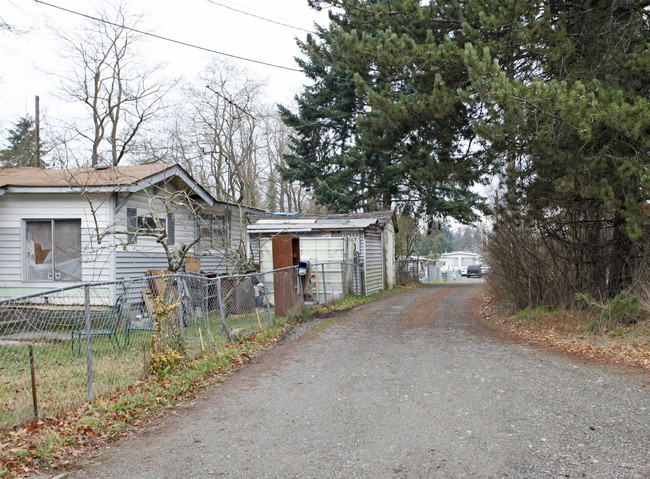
[625,309]
[641,285]
[167,344]
[527,271]
[622,311]
[544,262]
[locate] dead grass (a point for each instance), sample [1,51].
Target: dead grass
[573,332]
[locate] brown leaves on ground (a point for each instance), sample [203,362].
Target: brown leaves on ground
[572,332]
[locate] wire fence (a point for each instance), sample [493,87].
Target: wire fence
[62,347]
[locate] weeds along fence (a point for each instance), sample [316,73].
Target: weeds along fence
[62,347]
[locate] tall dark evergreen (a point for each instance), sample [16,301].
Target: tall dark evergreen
[575,125]
[21,148]
[370,133]
[414,102]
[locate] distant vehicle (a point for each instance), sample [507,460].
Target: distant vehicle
[463,271]
[474,270]
[486,269]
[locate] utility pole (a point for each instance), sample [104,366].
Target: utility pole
[37,132]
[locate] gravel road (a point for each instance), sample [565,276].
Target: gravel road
[412,385]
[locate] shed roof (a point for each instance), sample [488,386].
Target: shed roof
[310,222]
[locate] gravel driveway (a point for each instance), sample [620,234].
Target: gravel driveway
[412,385]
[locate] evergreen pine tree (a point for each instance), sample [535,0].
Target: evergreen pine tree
[22,145]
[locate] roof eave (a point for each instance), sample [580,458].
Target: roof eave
[171,172]
[68,189]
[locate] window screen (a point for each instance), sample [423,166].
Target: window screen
[53,250]
[131,225]
[171,229]
[213,230]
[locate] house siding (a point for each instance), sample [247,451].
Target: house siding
[389,255]
[16,208]
[183,221]
[228,257]
[146,254]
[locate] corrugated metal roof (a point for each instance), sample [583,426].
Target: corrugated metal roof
[311,222]
[295,225]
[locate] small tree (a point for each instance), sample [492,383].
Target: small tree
[22,145]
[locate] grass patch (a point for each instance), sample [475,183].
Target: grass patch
[325,324]
[528,313]
[61,371]
[45,443]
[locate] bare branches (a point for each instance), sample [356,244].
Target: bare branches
[120,94]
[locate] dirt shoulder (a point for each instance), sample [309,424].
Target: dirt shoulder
[572,332]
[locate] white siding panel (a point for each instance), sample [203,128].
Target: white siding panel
[183,221]
[146,254]
[373,260]
[133,264]
[10,254]
[389,255]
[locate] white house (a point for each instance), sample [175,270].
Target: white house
[366,238]
[457,260]
[64,226]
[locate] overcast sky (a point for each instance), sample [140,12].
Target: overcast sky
[32,64]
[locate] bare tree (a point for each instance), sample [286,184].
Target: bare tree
[227,132]
[215,134]
[282,195]
[120,94]
[228,139]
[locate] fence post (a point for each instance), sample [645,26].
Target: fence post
[181,321]
[344,289]
[206,303]
[355,279]
[301,287]
[33,375]
[224,326]
[89,350]
[266,300]
[322,268]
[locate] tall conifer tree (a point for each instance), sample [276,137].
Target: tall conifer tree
[419,100]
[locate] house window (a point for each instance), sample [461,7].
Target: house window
[213,229]
[171,229]
[53,250]
[131,225]
[146,226]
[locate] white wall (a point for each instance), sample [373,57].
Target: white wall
[374,259]
[389,255]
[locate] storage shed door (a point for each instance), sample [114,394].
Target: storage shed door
[374,264]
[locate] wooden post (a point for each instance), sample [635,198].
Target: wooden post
[37,132]
[89,350]
[31,367]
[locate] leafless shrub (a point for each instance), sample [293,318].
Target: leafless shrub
[538,264]
[641,284]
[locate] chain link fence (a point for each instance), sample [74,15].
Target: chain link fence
[407,271]
[63,347]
